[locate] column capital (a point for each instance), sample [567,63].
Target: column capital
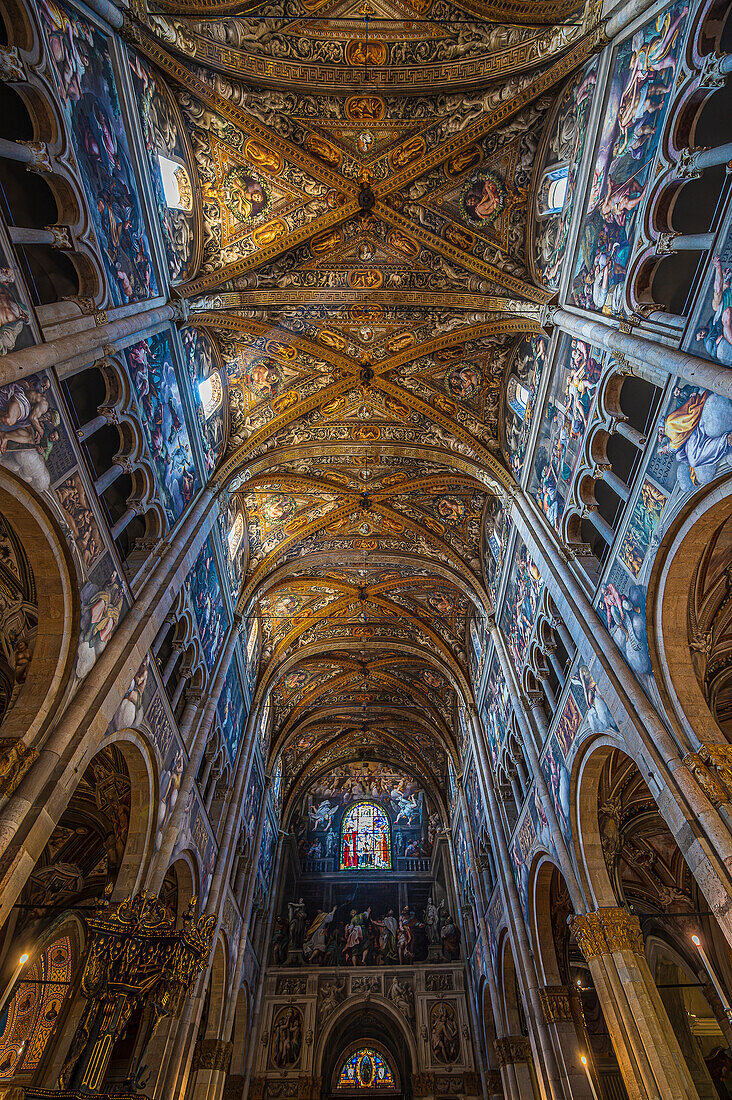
[213,1054]
[512,1050]
[711,766]
[15,760]
[41,161]
[555,1003]
[607,931]
[713,74]
[12,68]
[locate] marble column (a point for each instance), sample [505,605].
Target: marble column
[556,1002]
[660,360]
[646,1047]
[90,342]
[514,1052]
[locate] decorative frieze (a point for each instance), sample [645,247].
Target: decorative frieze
[435,982]
[607,931]
[212,1054]
[292,987]
[555,1003]
[512,1050]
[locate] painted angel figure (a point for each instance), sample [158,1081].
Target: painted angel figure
[321,816]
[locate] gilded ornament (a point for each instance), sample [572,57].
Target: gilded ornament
[512,1050]
[365,107]
[15,760]
[261,157]
[707,779]
[555,1003]
[605,931]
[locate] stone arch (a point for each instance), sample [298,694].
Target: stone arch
[384,1024]
[57,603]
[180,878]
[679,645]
[584,789]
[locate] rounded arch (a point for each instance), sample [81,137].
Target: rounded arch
[140,761]
[587,770]
[679,643]
[351,1023]
[57,602]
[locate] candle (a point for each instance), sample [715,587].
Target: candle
[583,1060]
[715,982]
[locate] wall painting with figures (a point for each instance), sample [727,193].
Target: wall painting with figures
[209,392]
[36,447]
[82,65]
[523,591]
[558,175]
[389,818]
[691,447]
[563,426]
[166,146]
[642,77]
[520,398]
[204,591]
[154,380]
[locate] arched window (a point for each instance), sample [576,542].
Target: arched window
[29,1019]
[553,191]
[365,838]
[366,1068]
[235,536]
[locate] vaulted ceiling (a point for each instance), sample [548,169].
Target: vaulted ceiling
[365,172]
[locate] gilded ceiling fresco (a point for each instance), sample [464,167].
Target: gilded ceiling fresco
[364,175]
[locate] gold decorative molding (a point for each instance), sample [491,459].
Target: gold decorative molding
[713,778]
[607,931]
[555,1003]
[15,760]
[512,1050]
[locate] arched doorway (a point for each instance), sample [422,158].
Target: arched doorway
[365,1027]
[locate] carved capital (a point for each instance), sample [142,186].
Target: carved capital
[62,238]
[712,74]
[665,243]
[493,1082]
[100,318]
[423,1084]
[718,758]
[179,310]
[547,316]
[212,1054]
[512,1049]
[607,931]
[41,161]
[555,1003]
[705,773]
[11,65]
[15,760]
[110,414]
[687,166]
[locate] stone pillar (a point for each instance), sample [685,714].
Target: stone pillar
[91,342]
[560,1019]
[647,1050]
[660,360]
[211,1061]
[514,1051]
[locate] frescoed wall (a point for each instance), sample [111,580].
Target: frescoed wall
[251,804]
[497,527]
[152,372]
[558,177]
[36,447]
[18,616]
[643,76]
[82,65]
[204,591]
[523,590]
[164,139]
[233,536]
[15,330]
[520,398]
[209,392]
[230,707]
[497,710]
[712,333]
[267,847]
[474,797]
[563,426]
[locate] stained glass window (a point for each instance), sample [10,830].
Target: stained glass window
[28,1021]
[366,1069]
[365,839]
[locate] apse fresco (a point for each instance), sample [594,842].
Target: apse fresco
[642,77]
[520,605]
[169,175]
[497,709]
[555,199]
[569,400]
[366,1069]
[692,447]
[204,592]
[521,390]
[15,330]
[396,805]
[150,364]
[497,526]
[365,839]
[230,708]
[81,63]
[209,392]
